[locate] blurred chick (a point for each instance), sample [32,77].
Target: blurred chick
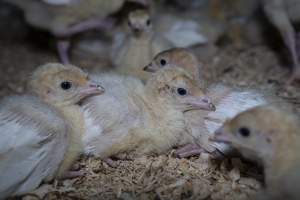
[282,13]
[228,101]
[271,137]
[40,133]
[133,52]
[141,118]
[64,18]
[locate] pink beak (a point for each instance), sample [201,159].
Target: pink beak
[202,103]
[92,88]
[149,68]
[220,136]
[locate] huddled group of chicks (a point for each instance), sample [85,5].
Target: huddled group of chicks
[155,100]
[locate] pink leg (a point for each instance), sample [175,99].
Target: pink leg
[189,150]
[87,25]
[291,43]
[63,48]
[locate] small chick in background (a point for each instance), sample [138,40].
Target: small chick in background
[141,118]
[281,14]
[228,102]
[64,18]
[133,52]
[271,137]
[40,133]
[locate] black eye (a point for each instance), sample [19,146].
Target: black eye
[66,85]
[148,22]
[163,62]
[243,131]
[181,91]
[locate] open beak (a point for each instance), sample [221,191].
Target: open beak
[91,88]
[220,136]
[149,68]
[201,103]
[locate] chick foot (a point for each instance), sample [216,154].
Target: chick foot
[189,150]
[295,76]
[73,174]
[110,162]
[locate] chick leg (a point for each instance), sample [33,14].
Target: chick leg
[87,25]
[278,16]
[63,48]
[290,41]
[189,150]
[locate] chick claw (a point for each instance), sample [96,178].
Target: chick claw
[189,150]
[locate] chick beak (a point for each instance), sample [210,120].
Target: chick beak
[202,103]
[149,68]
[91,88]
[220,135]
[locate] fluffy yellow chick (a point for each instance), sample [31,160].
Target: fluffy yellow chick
[40,133]
[142,118]
[228,102]
[271,137]
[139,47]
[64,18]
[282,13]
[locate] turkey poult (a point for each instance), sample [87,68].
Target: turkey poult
[228,102]
[40,132]
[132,52]
[65,18]
[271,137]
[147,119]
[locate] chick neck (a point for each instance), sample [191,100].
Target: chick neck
[74,117]
[142,35]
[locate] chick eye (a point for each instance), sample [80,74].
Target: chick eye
[148,22]
[163,62]
[244,132]
[181,91]
[66,85]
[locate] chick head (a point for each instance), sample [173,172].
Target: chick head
[139,22]
[259,133]
[178,57]
[62,84]
[178,88]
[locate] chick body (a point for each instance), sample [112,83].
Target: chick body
[139,117]
[56,18]
[34,137]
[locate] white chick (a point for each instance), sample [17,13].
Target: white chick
[271,137]
[64,18]
[228,102]
[147,119]
[282,13]
[41,133]
[132,53]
